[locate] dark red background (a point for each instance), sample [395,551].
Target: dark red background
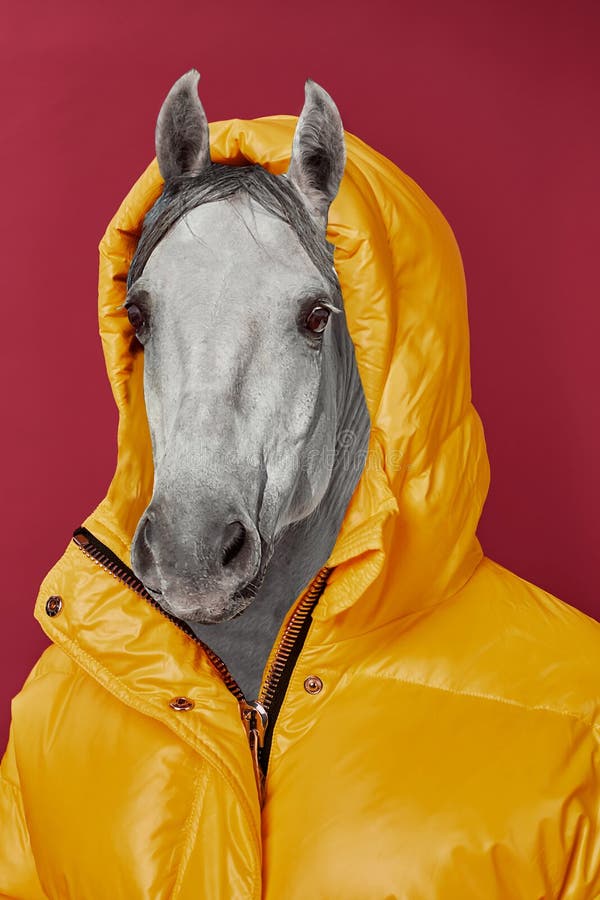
[491,107]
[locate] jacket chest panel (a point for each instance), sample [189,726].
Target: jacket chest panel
[398,790]
[114,784]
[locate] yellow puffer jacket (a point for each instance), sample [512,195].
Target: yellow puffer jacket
[438,737]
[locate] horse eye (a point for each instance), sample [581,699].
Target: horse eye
[135,316]
[317,319]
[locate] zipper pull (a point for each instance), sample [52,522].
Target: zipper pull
[80,538]
[255,719]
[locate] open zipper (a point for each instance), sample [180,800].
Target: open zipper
[259,715]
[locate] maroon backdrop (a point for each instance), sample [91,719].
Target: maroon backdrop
[491,107]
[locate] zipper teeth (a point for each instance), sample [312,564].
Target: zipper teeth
[93,548]
[124,574]
[290,636]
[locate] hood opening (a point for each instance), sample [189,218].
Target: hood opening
[408,536]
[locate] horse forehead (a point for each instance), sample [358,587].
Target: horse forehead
[237,236]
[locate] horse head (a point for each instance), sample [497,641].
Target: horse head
[233,294]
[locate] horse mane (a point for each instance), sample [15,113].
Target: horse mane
[274,193]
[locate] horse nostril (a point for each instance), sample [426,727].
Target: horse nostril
[234,537]
[146,530]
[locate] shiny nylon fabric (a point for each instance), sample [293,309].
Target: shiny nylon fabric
[453,750]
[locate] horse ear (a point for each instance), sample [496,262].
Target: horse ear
[318,155]
[182,137]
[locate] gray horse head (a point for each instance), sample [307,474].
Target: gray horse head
[233,295]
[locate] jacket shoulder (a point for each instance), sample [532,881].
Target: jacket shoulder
[52,660]
[525,645]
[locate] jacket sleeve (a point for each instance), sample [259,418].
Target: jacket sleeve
[582,830]
[18,874]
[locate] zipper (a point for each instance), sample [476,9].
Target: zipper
[258,716]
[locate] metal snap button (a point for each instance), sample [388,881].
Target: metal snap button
[181,703]
[313,684]
[53,605]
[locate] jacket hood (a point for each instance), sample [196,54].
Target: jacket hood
[417,505]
